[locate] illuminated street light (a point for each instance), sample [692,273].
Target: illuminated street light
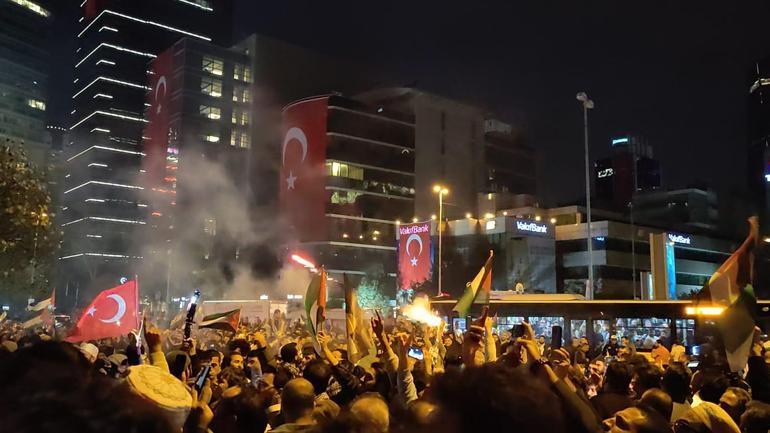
[587,105]
[704,311]
[553,220]
[468,215]
[441,191]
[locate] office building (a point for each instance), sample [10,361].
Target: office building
[621,253]
[24,76]
[462,147]
[103,215]
[210,157]
[693,210]
[630,170]
[196,148]
[347,181]
[524,253]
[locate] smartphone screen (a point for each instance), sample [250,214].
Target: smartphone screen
[202,376]
[416,353]
[517,331]
[556,334]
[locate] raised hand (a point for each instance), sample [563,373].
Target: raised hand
[152,337]
[378,327]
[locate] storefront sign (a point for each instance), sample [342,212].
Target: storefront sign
[679,239]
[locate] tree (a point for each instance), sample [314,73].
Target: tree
[28,238]
[371,293]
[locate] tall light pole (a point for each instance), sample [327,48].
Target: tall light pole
[441,191]
[587,105]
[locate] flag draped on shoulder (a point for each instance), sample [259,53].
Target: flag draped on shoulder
[360,343]
[315,305]
[227,321]
[112,313]
[476,290]
[731,287]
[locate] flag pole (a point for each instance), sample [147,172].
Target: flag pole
[489,295]
[136,281]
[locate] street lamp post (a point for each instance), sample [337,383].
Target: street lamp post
[587,105]
[441,191]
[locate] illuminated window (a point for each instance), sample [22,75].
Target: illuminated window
[344,197]
[240,139]
[211,87]
[210,226]
[337,169]
[242,118]
[242,72]
[212,138]
[36,104]
[213,65]
[213,113]
[241,94]
[34,7]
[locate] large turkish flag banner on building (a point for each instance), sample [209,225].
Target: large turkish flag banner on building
[114,312]
[415,261]
[303,193]
[156,133]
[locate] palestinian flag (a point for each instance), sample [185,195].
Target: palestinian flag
[227,321]
[730,287]
[46,308]
[42,305]
[476,290]
[315,305]
[360,343]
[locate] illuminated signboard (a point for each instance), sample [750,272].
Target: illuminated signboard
[531,227]
[607,172]
[491,225]
[619,140]
[679,239]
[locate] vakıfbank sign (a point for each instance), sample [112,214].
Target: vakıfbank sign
[679,239]
[529,228]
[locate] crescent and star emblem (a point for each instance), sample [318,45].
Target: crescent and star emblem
[413,237]
[161,82]
[293,134]
[118,314]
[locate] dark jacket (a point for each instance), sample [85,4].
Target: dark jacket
[607,403]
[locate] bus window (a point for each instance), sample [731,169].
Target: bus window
[506,323]
[458,324]
[685,331]
[602,330]
[643,332]
[543,325]
[578,328]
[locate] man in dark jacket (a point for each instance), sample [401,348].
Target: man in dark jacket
[614,394]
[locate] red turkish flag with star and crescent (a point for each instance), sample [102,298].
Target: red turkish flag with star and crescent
[303,194]
[415,261]
[114,312]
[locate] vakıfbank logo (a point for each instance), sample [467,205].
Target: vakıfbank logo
[408,230]
[531,227]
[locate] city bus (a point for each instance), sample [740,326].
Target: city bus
[577,316]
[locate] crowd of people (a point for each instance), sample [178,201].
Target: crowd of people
[276,376]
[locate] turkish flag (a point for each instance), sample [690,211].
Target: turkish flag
[114,312]
[414,254]
[303,193]
[155,138]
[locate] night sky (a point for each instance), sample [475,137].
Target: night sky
[673,71]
